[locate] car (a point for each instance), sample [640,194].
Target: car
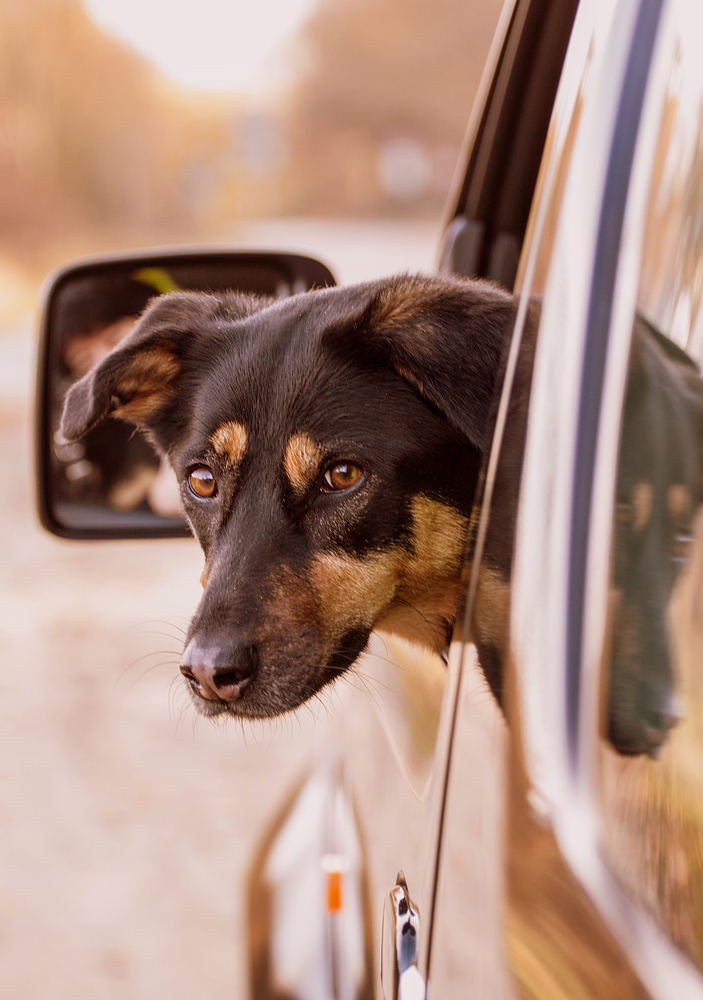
[581,875]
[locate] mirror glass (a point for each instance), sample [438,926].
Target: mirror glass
[111,483]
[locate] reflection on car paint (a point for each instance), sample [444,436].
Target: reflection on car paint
[653,819]
[658,492]
[309,921]
[406,683]
[561,909]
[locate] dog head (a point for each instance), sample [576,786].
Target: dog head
[659,491]
[327,448]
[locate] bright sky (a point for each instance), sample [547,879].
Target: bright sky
[209,44]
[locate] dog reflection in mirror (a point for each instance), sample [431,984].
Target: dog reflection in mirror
[327,447]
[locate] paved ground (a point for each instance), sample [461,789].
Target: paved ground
[125,825]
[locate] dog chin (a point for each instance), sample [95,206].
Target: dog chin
[219,710]
[254,704]
[232,709]
[210,709]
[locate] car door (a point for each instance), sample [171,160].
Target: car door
[595,478]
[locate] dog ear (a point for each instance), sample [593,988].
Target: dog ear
[445,337]
[139,378]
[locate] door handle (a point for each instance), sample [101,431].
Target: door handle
[400,976]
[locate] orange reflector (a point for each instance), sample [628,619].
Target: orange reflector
[334,892]
[334,866]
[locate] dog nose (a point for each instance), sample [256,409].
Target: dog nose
[219,671]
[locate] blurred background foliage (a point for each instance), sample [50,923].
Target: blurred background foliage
[378,114]
[98,150]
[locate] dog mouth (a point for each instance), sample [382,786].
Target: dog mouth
[216,699]
[229,679]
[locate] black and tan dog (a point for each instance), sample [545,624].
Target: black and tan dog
[659,491]
[328,448]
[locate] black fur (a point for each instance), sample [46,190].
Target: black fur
[396,378]
[393,377]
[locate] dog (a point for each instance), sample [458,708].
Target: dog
[328,448]
[659,491]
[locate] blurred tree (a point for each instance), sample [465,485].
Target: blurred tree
[91,137]
[378,115]
[97,149]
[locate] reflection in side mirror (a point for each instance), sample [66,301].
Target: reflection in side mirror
[111,483]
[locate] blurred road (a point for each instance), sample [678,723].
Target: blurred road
[126,823]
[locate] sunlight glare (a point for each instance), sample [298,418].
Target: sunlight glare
[223,45]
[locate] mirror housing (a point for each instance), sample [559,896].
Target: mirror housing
[111,483]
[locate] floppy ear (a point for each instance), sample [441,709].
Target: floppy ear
[445,337]
[138,379]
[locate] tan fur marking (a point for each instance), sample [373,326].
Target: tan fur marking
[642,501]
[439,537]
[430,578]
[204,576]
[409,377]
[148,384]
[301,461]
[407,304]
[354,591]
[230,442]
[678,501]
[338,593]
[411,594]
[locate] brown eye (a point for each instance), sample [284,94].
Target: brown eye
[341,477]
[202,482]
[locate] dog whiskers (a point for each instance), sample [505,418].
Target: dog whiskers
[148,670]
[173,660]
[167,624]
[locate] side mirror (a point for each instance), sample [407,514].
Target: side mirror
[112,484]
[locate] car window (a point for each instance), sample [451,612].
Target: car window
[651,723]
[515,949]
[584,63]
[603,764]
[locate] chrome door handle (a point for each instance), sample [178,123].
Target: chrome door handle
[400,976]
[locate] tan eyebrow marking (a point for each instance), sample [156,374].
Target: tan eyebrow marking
[301,461]
[230,442]
[642,500]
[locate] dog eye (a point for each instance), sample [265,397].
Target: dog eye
[201,482]
[341,477]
